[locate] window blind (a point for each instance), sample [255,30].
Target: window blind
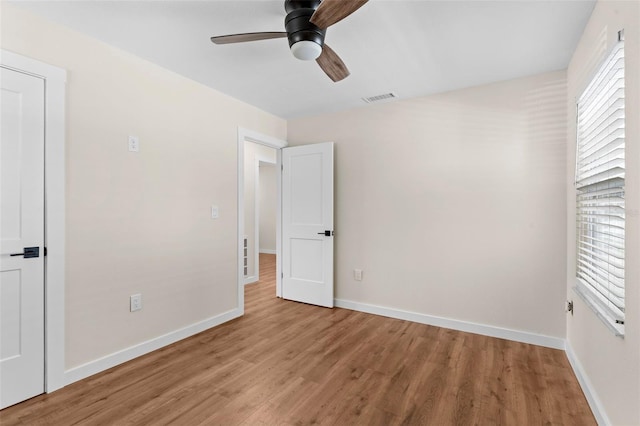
[600,184]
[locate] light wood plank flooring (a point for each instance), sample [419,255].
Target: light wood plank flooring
[287,363]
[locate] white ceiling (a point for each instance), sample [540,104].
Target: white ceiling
[412,48]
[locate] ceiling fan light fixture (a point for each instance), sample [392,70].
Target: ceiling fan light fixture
[306,50]
[306,38]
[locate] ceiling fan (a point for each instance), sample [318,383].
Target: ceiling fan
[306,25]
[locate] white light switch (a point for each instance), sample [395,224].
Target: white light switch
[215,213]
[134,144]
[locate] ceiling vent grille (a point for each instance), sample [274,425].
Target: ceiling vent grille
[379,98]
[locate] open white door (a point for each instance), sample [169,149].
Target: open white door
[307,224]
[22,238]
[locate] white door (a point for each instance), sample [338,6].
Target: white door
[307,224]
[21,226]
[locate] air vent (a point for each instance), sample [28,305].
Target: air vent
[246,257]
[379,98]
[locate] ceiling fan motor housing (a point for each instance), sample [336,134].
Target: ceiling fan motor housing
[297,23]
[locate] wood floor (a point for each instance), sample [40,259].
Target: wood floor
[287,363]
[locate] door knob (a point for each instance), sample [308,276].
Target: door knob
[28,252]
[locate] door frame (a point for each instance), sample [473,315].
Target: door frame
[54,211]
[272,142]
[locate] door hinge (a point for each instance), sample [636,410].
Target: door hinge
[620,322]
[281,274]
[45,251]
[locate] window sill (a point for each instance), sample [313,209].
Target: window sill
[601,313]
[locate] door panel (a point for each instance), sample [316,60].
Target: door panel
[307,259]
[307,212]
[22,225]
[306,189]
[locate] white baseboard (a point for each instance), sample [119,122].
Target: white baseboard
[470,327]
[587,388]
[116,358]
[250,280]
[267,251]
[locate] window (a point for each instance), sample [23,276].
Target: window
[600,184]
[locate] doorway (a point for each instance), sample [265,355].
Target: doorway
[262,141]
[260,195]
[304,220]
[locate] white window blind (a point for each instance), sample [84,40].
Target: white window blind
[600,184]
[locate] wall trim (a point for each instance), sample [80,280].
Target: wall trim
[469,327]
[54,192]
[101,364]
[267,251]
[597,407]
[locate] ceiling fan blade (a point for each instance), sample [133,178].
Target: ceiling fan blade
[331,11]
[240,38]
[332,65]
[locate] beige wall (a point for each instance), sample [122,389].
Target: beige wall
[268,204]
[454,205]
[253,153]
[140,222]
[611,364]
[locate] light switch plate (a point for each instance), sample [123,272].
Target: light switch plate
[215,212]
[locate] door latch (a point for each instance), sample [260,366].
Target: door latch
[28,252]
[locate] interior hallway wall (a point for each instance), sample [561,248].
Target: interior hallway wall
[268,207]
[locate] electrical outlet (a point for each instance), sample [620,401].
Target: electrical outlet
[134,144]
[357,274]
[135,302]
